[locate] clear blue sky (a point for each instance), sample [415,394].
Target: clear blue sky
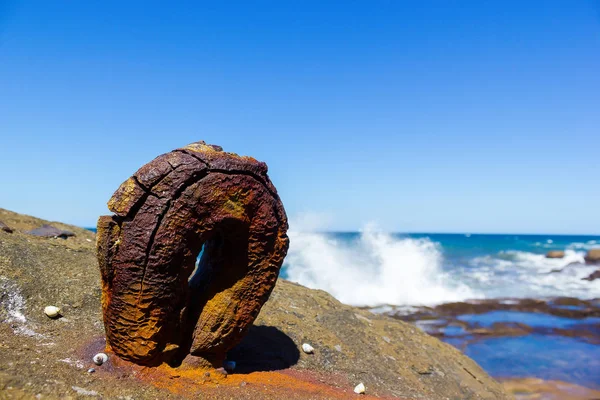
[445,116]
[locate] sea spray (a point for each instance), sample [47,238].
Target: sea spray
[372,269]
[517,273]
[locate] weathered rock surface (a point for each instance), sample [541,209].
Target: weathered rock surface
[51,357]
[49,231]
[5,228]
[593,256]
[555,254]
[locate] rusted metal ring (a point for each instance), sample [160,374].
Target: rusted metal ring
[159,304]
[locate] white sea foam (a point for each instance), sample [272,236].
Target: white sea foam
[524,274]
[539,262]
[375,268]
[590,244]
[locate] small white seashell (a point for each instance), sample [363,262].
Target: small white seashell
[52,311]
[100,358]
[229,365]
[91,370]
[307,348]
[360,389]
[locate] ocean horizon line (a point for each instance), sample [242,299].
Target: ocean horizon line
[93,229]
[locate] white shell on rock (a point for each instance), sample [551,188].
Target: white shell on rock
[52,311]
[307,348]
[100,358]
[360,389]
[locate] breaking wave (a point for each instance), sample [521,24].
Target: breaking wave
[373,268]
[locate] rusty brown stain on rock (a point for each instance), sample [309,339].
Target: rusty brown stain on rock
[158,307]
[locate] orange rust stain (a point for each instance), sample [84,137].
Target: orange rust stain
[290,384]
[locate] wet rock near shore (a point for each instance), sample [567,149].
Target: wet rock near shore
[555,254]
[51,357]
[520,337]
[478,319]
[569,307]
[593,256]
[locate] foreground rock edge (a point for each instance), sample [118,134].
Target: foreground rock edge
[392,358]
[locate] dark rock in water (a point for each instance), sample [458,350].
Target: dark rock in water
[593,256]
[384,353]
[507,317]
[570,265]
[555,254]
[593,276]
[5,227]
[193,199]
[49,231]
[468,314]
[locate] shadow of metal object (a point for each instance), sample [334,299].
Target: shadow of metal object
[264,348]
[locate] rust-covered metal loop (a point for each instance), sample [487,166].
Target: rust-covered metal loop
[158,302]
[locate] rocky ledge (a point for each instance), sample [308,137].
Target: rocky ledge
[482,319]
[52,358]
